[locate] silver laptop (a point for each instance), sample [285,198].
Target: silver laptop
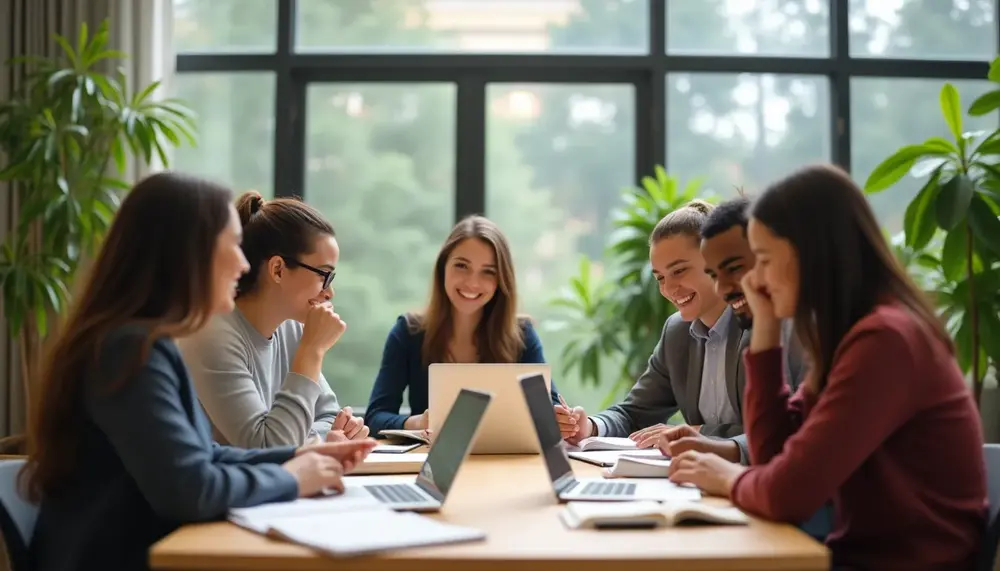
[566,486]
[507,426]
[438,472]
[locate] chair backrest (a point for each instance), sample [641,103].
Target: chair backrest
[988,552]
[17,515]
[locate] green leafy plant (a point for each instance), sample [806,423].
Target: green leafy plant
[617,315]
[951,227]
[67,135]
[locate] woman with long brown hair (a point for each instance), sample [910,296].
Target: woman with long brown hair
[120,452]
[884,423]
[471,318]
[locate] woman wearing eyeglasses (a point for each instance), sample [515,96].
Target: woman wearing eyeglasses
[258,369]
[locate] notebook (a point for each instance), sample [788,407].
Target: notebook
[647,514]
[347,535]
[639,467]
[391,464]
[604,443]
[607,458]
[418,435]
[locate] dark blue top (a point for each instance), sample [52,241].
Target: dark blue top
[402,368]
[145,465]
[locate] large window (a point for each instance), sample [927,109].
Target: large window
[398,117]
[380,164]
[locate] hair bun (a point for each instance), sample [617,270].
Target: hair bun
[248,204]
[700,205]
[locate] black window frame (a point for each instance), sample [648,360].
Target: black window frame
[472,73]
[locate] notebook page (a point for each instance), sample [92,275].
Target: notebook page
[259,518]
[353,534]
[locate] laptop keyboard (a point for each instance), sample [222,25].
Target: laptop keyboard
[608,489]
[395,493]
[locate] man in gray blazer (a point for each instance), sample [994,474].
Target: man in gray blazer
[696,370]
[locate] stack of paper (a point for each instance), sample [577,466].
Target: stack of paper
[349,527]
[607,458]
[391,464]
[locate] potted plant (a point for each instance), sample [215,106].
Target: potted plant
[617,319]
[952,229]
[67,136]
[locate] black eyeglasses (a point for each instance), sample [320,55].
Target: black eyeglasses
[327,275]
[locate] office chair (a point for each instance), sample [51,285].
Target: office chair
[17,515]
[988,551]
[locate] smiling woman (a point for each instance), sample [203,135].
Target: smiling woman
[678,264]
[257,368]
[471,318]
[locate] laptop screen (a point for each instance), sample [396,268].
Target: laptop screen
[544,418]
[452,443]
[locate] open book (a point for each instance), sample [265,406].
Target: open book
[627,466]
[604,443]
[603,515]
[417,435]
[349,529]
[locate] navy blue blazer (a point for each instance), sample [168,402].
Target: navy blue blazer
[145,465]
[402,368]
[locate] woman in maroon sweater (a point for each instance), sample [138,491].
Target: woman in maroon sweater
[884,423]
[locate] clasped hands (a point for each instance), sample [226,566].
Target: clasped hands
[346,427]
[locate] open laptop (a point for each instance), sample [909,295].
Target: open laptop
[569,488]
[438,472]
[507,426]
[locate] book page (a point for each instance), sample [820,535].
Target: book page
[607,443]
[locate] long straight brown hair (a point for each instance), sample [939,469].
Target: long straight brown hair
[846,267]
[148,273]
[498,336]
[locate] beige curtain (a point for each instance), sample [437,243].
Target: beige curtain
[141,29]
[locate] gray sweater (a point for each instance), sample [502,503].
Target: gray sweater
[244,382]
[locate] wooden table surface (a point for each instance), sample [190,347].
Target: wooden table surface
[510,498]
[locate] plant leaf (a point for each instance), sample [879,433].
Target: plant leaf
[953,201]
[984,224]
[985,103]
[994,73]
[951,109]
[919,221]
[896,166]
[953,263]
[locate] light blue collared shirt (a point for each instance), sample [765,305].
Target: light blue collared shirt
[713,400]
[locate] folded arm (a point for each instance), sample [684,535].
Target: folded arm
[865,400]
[232,396]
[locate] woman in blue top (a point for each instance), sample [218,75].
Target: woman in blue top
[120,452]
[471,318]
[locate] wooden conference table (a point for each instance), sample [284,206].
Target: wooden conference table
[510,498]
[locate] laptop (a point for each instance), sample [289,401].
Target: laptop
[566,486]
[507,426]
[438,472]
